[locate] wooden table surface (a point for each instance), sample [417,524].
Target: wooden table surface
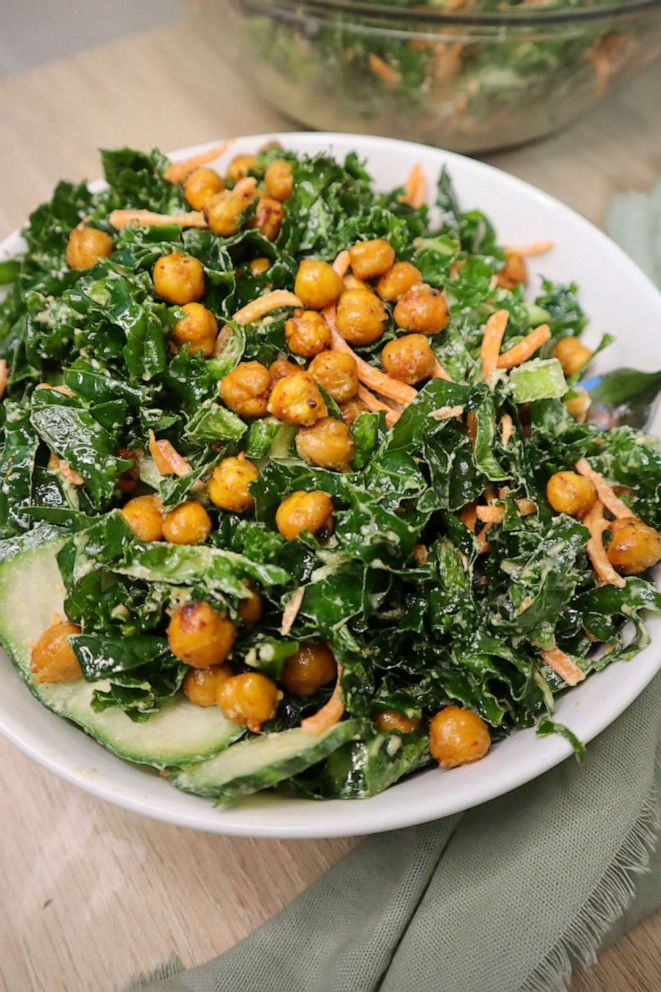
[91,895]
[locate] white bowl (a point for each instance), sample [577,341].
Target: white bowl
[618,298]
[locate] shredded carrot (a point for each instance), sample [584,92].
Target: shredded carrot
[341,263]
[328,715]
[378,381]
[416,187]
[385,72]
[468,517]
[177,171]
[375,406]
[579,405]
[563,666]
[291,610]
[63,468]
[471,426]
[492,339]
[536,248]
[604,491]
[446,412]
[62,390]
[496,514]
[483,546]
[167,459]
[439,372]
[526,348]
[265,304]
[596,523]
[4,371]
[147,218]
[506,429]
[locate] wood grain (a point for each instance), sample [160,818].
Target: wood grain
[92,895]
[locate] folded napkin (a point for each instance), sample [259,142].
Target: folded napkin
[509,896]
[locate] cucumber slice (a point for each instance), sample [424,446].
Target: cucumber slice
[262,762]
[31,593]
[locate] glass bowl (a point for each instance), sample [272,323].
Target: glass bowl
[468,75]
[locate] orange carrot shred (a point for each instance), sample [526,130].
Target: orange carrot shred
[526,348]
[506,429]
[416,187]
[375,406]
[604,491]
[4,371]
[596,523]
[291,609]
[176,172]
[386,73]
[328,715]
[536,248]
[563,665]
[167,459]
[492,339]
[439,372]
[265,304]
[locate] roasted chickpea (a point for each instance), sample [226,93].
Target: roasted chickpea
[328,443]
[572,355]
[144,515]
[86,245]
[199,636]
[514,272]
[370,259]
[307,333]
[198,329]
[312,666]
[350,282]
[634,547]
[258,266]
[457,737]
[250,699]
[229,485]
[317,284]
[188,523]
[392,722]
[397,281]
[571,493]
[409,358]
[201,685]
[128,481]
[240,166]
[200,185]
[279,180]
[422,309]
[269,216]
[579,404]
[251,608]
[52,658]
[179,278]
[224,211]
[361,317]
[296,400]
[337,373]
[246,389]
[351,411]
[281,367]
[304,511]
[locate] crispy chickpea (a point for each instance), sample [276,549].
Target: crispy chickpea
[328,444]
[198,329]
[201,685]
[281,367]
[392,722]
[634,546]
[128,481]
[269,216]
[179,278]
[350,282]
[514,272]
[351,411]
[86,245]
[572,355]
[361,317]
[278,179]
[144,515]
[251,608]
[229,485]
[258,266]
[52,658]
[240,166]
[370,259]
[571,493]
[457,737]
[312,666]
[401,277]
[199,635]
[409,358]
[337,373]
[307,333]
[317,284]
[296,400]
[188,523]
[223,211]
[422,309]
[200,185]
[250,699]
[246,389]
[304,511]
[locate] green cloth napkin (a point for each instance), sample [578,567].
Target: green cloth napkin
[509,896]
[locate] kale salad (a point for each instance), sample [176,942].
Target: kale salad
[298,488]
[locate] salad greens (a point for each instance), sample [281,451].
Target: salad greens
[445,573]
